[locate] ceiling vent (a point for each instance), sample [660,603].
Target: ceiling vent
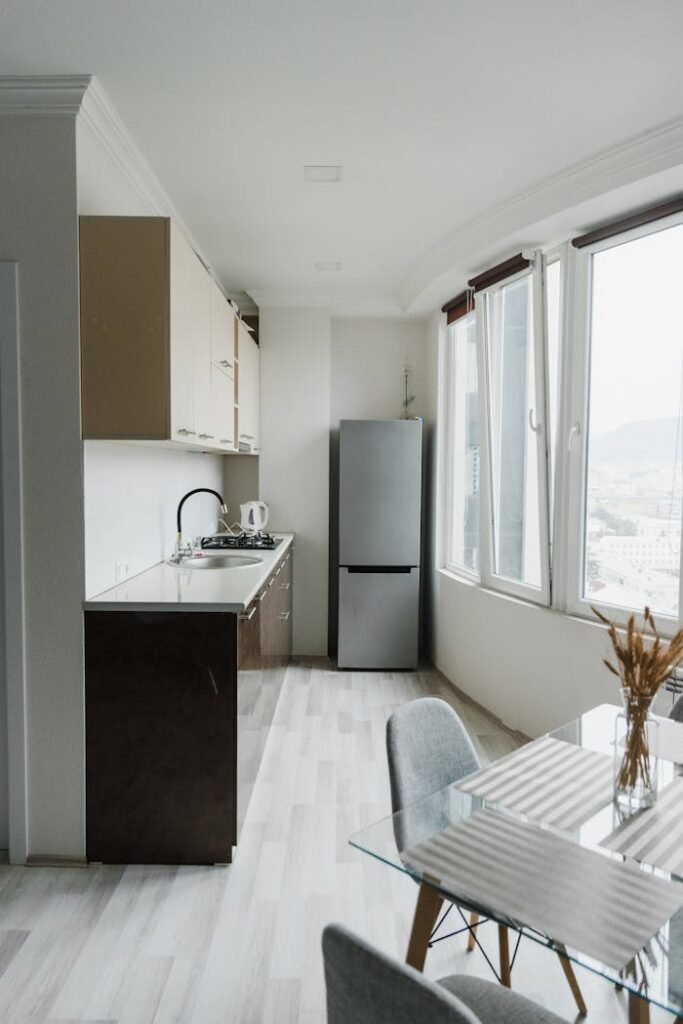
[323,172]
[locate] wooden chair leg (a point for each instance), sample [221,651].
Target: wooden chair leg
[472,937]
[504,954]
[429,904]
[572,982]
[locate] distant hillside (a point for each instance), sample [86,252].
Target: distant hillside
[642,441]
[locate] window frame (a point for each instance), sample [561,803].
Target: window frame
[574,452]
[459,570]
[490,579]
[563,546]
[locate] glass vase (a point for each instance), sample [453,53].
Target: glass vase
[636,745]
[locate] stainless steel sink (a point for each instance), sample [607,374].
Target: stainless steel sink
[210,561]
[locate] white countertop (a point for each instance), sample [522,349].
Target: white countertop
[165,588]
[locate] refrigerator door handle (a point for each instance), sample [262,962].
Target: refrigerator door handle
[378,568]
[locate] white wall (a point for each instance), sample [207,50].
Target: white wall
[368,356]
[240,483]
[131,496]
[294,460]
[532,667]
[38,229]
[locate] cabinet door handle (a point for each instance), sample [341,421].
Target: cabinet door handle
[246,616]
[225,440]
[209,436]
[285,586]
[226,362]
[278,571]
[184,430]
[283,616]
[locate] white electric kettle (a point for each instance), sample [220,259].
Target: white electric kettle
[253,516]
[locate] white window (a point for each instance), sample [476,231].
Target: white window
[464,449]
[553,312]
[626,480]
[516,494]
[586,434]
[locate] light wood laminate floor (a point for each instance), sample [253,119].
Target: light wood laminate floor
[241,944]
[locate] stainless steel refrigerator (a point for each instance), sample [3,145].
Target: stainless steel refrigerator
[380,519]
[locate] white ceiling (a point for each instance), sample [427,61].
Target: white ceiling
[438,111]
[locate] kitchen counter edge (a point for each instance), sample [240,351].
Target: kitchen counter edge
[106,601]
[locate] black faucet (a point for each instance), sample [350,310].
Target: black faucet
[179,528]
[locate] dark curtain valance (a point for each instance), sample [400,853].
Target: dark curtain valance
[634,220]
[458,307]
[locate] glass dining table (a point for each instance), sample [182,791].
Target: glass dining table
[535,842]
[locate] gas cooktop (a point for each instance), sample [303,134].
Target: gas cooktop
[226,541]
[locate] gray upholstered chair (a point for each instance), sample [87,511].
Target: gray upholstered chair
[366,987]
[428,749]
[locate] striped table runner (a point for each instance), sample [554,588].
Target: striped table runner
[604,908]
[654,836]
[550,781]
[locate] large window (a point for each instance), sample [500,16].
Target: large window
[517,460]
[565,402]
[465,446]
[633,496]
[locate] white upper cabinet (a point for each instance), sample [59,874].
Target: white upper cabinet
[222,370]
[222,332]
[201,356]
[249,390]
[158,341]
[223,409]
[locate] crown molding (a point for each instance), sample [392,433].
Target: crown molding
[342,303]
[42,95]
[656,150]
[100,118]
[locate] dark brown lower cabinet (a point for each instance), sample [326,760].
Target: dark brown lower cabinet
[178,709]
[161,737]
[264,650]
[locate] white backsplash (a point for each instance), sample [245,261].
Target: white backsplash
[131,496]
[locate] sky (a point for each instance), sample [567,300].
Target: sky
[637,332]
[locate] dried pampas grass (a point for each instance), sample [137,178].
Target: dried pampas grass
[642,668]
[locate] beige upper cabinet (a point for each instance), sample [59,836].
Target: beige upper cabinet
[249,390]
[155,331]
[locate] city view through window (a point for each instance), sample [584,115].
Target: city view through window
[634,484]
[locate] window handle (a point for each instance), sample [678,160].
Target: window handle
[536,427]
[575,431]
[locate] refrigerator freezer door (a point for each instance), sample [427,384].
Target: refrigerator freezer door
[380,492]
[378,618]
